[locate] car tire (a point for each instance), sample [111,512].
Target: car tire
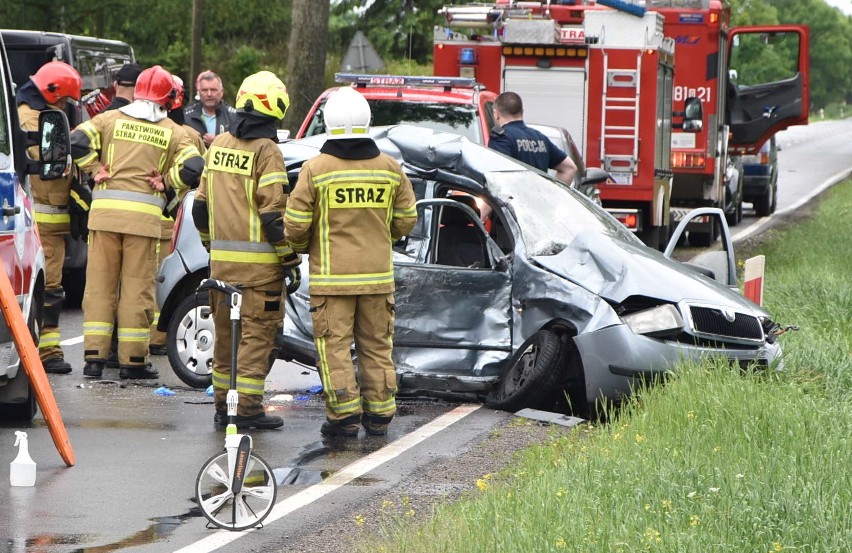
[26,410]
[189,340]
[704,239]
[763,204]
[533,377]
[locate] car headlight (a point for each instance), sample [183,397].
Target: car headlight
[663,320]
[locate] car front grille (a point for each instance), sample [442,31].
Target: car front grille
[722,325]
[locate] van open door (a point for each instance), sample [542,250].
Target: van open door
[768,83]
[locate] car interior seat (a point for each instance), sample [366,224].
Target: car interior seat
[460,243]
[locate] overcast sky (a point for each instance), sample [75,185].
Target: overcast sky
[844,5]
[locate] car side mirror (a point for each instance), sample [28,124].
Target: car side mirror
[693,115]
[595,175]
[54,145]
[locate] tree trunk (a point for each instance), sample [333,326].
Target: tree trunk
[305,78]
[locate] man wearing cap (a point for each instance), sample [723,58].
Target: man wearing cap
[125,81]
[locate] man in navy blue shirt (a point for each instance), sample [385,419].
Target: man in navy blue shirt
[515,139]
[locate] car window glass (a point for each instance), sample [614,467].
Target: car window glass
[550,214]
[407,249]
[317,124]
[490,123]
[5,143]
[455,118]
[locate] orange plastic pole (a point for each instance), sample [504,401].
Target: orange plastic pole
[34,369]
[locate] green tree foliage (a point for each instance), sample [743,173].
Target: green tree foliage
[251,35]
[398,29]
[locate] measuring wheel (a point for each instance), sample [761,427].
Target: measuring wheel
[236,498]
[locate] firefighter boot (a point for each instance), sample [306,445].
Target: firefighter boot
[94,368]
[376,425]
[56,365]
[138,372]
[112,358]
[347,428]
[261,421]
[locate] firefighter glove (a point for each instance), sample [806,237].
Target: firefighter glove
[79,204]
[292,278]
[172,203]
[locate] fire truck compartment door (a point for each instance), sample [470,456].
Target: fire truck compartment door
[554,96]
[761,101]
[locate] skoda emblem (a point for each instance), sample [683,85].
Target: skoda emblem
[729,315]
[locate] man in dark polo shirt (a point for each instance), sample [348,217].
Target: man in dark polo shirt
[519,141]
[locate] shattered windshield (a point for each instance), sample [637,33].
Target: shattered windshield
[454,118]
[549,213]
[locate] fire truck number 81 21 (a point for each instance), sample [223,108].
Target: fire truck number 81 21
[681,93]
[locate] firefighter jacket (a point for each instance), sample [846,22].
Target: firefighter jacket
[50,197]
[239,211]
[133,149]
[346,212]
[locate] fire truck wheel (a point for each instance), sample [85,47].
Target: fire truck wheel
[704,239]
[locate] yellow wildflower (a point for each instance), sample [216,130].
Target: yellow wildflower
[482,484]
[693,520]
[360,520]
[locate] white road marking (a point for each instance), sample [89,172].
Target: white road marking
[339,479]
[756,225]
[72,341]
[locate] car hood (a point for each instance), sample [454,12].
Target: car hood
[617,270]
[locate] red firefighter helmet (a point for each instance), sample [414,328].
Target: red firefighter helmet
[157,85]
[56,80]
[181,92]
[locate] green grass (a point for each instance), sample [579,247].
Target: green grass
[715,460]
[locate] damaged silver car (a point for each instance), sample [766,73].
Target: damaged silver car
[518,290]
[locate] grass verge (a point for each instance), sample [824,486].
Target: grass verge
[714,460]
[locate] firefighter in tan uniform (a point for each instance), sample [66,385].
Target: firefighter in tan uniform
[239,212]
[50,88]
[157,345]
[350,204]
[139,158]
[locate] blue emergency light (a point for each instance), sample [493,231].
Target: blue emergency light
[467,56]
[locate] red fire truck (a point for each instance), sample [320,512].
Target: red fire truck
[593,69]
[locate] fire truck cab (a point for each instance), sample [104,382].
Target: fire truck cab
[644,89]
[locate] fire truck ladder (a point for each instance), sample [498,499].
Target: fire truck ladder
[620,78]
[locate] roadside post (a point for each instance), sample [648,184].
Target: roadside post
[753,287]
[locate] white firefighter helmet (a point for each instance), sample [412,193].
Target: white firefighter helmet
[347,114]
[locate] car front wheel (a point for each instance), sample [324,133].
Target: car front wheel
[190,338]
[533,378]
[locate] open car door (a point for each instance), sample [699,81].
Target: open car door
[719,265]
[453,293]
[767,83]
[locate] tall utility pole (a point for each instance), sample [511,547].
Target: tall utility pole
[197,31]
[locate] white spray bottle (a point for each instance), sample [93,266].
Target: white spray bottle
[22,471]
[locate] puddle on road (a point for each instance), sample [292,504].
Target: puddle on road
[161,528]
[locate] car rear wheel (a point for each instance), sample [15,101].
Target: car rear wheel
[765,204]
[533,378]
[190,338]
[26,410]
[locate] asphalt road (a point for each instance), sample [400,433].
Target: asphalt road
[138,453]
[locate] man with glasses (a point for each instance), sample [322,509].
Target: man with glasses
[210,115]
